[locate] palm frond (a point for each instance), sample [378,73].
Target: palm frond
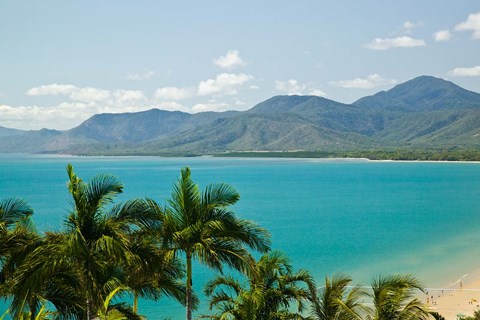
[219,195]
[13,211]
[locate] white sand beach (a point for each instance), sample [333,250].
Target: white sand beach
[459,298]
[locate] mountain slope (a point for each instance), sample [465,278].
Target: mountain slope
[141,126]
[326,113]
[424,93]
[425,112]
[6,132]
[260,132]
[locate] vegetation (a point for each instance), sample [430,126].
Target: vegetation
[106,251]
[201,225]
[394,298]
[102,248]
[338,300]
[423,113]
[272,291]
[476,316]
[453,154]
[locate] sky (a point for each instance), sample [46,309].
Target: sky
[63,61]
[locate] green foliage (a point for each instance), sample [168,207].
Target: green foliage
[437,316]
[106,249]
[202,226]
[476,316]
[337,300]
[272,291]
[423,113]
[103,247]
[451,154]
[394,298]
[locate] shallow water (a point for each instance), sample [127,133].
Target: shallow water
[352,216]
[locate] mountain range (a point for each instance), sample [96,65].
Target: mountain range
[425,112]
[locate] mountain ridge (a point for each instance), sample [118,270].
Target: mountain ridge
[424,112]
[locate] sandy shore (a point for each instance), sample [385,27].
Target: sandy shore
[461,297]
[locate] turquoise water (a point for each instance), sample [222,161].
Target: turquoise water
[352,216]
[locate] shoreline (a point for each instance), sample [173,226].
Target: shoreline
[461,297]
[307,159]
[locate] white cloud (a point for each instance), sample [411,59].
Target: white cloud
[254,87]
[73,92]
[230,60]
[67,115]
[171,93]
[52,89]
[223,84]
[35,117]
[80,103]
[290,87]
[293,87]
[471,24]
[371,81]
[466,72]
[89,94]
[139,76]
[400,42]
[408,26]
[211,106]
[317,92]
[124,97]
[442,35]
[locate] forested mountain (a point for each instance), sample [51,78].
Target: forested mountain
[425,112]
[5,132]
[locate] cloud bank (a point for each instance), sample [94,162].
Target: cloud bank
[471,24]
[466,72]
[371,81]
[399,42]
[230,60]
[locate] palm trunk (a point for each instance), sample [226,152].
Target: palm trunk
[33,313]
[89,311]
[189,287]
[135,303]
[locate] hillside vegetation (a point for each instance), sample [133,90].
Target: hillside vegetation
[425,113]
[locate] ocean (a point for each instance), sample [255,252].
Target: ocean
[356,217]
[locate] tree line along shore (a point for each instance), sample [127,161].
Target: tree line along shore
[454,154]
[107,251]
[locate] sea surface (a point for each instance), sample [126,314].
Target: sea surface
[357,217]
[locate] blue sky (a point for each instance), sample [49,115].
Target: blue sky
[63,61]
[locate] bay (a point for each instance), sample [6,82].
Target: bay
[356,217]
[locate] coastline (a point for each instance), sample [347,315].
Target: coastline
[210,156]
[461,297]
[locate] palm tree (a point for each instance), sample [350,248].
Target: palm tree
[271,292]
[45,275]
[155,272]
[338,300]
[88,259]
[42,314]
[18,238]
[201,225]
[394,297]
[13,212]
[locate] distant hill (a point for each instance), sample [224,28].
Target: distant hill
[141,126]
[6,132]
[424,93]
[425,112]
